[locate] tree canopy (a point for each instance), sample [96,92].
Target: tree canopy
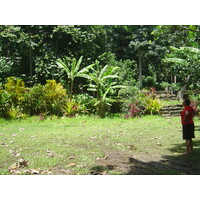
[151,55]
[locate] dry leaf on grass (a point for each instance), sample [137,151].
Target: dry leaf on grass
[131,146]
[15,172]
[66,171]
[98,173]
[158,143]
[32,171]
[46,172]
[22,162]
[14,153]
[4,144]
[50,153]
[71,165]
[71,157]
[14,166]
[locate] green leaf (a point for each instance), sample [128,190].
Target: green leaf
[77,66]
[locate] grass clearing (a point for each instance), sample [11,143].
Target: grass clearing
[89,145]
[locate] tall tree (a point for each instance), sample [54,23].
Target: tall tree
[186,64]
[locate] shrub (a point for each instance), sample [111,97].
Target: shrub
[132,95]
[50,98]
[34,100]
[15,113]
[153,106]
[86,102]
[5,103]
[11,97]
[55,97]
[133,110]
[72,108]
[16,88]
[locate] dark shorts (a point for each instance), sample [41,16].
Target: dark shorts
[188,131]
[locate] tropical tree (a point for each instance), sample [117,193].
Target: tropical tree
[185,65]
[72,68]
[103,82]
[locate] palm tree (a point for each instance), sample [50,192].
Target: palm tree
[73,70]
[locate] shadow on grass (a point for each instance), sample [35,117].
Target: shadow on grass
[175,164]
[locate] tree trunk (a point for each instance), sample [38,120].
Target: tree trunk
[71,89]
[30,62]
[181,93]
[101,105]
[140,68]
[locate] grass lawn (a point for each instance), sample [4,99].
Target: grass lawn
[89,145]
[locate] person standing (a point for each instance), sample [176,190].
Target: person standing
[188,125]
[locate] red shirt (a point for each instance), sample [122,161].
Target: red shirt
[189,117]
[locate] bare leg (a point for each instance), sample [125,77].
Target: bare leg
[187,146]
[190,146]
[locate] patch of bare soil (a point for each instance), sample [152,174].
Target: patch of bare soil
[145,164]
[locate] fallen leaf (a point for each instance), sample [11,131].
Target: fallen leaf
[14,166]
[35,171]
[157,138]
[4,144]
[82,165]
[14,135]
[22,162]
[50,154]
[158,143]
[66,171]
[14,153]
[98,173]
[131,146]
[15,172]
[71,165]
[71,157]
[21,129]
[105,158]
[46,172]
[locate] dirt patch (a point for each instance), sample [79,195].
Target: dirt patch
[146,164]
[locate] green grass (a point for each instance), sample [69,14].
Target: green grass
[75,145]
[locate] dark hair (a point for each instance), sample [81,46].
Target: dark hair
[187,102]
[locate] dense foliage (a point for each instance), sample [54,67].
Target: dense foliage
[45,69]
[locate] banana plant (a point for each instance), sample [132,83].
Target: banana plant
[73,70]
[103,82]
